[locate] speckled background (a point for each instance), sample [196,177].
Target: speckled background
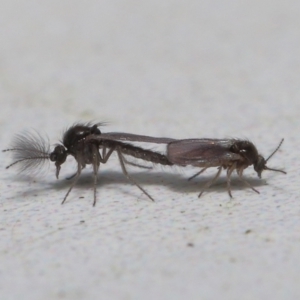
[164,68]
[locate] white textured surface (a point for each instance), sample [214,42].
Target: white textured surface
[164,68]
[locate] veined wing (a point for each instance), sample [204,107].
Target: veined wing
[129,137]
[201,152]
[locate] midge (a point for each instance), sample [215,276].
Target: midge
[31,151]
[229,154]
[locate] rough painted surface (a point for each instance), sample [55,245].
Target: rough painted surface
[183,69]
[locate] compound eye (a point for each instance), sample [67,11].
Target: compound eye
[260,165]
[59,154]
[53,156]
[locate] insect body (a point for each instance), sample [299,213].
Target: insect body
[89,146]
[229,154]
[31,151]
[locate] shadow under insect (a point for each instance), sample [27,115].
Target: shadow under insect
[220,185]
[176,182]
[116,180]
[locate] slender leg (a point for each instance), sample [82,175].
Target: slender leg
[73,182]
[96,165]
[240,173]
[229,172]
[103,152]
[128,176]
[209,183]
[105,157]
[99,159]
[197,174]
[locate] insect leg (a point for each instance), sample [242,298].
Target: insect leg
[195,175]
[96,165]
[128,176]
[229,172]
[209,183]
[73,182]
[106,156]
[240,174]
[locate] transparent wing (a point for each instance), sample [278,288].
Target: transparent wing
[201,152]
[129,137]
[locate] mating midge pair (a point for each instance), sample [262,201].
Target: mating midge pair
[89,146]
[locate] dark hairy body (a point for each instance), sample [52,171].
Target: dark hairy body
[31,151]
